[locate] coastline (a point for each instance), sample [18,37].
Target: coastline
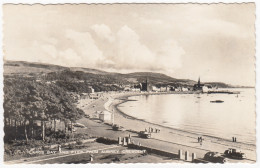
[125,99]
[111,102]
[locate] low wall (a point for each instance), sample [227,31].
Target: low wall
[154,151]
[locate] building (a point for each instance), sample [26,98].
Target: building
[163,89]
[105,116]
[198,86]
[90,89]
[127,88]
[155,89]
[207,88]
[135,89]
[146,86]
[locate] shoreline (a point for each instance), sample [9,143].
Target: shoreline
[124,99]
[167,135]
[176,129]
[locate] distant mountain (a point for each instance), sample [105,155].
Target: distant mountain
[158,78]
[94,75]
[219,84]
[23,67]
[88,70]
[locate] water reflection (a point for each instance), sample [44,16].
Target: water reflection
[235,116]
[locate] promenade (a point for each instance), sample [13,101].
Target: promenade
[168,139]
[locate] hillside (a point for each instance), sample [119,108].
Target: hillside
[88,70]
[22,67]
[157,78]
[93,76]
[219,84]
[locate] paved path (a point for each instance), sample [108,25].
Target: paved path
[45,158]
[96,128]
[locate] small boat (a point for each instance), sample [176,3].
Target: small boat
[217,101]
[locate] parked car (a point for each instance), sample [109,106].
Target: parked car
[87,116]
[116,127]
[233,153]
[79,125]
[214,157]
[145,134]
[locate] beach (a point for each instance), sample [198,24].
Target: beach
[168,139]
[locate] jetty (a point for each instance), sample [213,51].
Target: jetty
[223,92]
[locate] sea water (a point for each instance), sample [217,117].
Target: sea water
[235,117]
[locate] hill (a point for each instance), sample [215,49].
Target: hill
[94,76]
[22,67]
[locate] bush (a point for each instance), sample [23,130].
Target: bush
[72,146]
[106,141]
[79,142]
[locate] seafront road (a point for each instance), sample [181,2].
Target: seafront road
[94,127]
[47,158]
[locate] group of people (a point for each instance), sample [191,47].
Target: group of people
[234,139]
[153,130]
[200,140]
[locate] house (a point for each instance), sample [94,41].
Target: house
[135,89]
[163,89]
[91,89]
[207,88]
[155,89]
[127,88]
[105,116]
[178,89]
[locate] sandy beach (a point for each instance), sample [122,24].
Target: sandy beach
[168,139]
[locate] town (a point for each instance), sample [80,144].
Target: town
[63,111]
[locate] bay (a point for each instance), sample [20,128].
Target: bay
[235,117]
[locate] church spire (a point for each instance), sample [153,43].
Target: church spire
[199,82]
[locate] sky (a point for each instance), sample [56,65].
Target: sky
[215,42]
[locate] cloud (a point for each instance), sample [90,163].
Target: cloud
[132,54]
[103,32]
[69,56]
[49,50]
[170,55]
[84,48]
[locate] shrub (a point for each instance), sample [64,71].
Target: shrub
[79,142]
[106,141]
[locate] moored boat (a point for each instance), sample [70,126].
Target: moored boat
[217,101]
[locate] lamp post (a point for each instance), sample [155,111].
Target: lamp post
[113,117]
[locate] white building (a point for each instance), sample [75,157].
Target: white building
[163,89]
[91,89]
[105,116]
[178,89]
[205,89]
[155,89]
[135,89]
[127,88]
